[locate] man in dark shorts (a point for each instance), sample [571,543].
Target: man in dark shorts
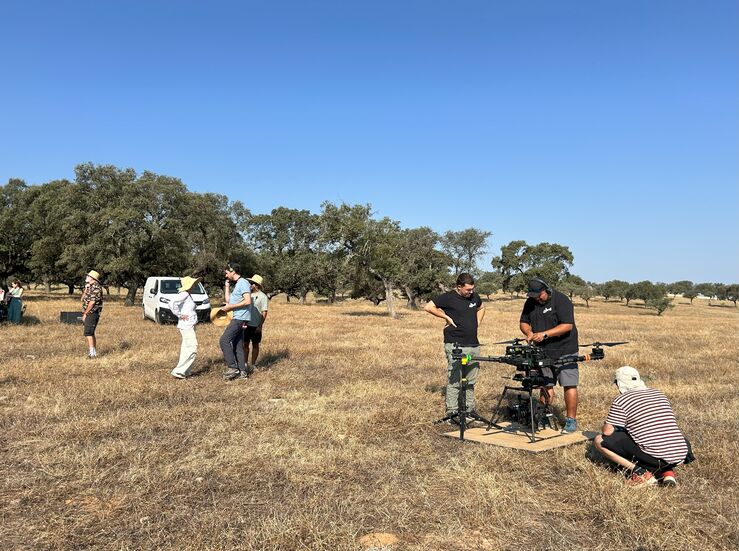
[548,320]
[462,309]
[641,433]
[254,327]
[92,306]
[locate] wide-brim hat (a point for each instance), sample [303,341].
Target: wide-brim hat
[256,278]
[94,275]
[187,283]
[221,318]
[628,378]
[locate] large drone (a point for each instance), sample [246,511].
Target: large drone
[529,360]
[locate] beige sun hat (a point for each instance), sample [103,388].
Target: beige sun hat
[628,378]
[187,283]
[256,278]
[221,318]
[94,275]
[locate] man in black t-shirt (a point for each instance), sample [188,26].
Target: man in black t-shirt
[462,309]
[548,320]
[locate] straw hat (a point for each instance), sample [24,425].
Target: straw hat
[94,275]
[187,283]
[221,318]
[256,278]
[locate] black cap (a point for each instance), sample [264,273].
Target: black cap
[536,286]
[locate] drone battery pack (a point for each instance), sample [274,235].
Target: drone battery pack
[71,317]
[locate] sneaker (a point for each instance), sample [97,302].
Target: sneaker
[570,426]
[231,373]
[178,375]
[668,479]
[645,478]
[244,374]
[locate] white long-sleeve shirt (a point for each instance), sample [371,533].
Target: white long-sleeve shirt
[183,306]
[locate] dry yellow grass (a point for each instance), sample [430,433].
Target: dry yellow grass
[333,439]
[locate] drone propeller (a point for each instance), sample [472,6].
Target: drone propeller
[599,344]
[512,341]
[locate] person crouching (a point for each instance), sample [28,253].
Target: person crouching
[641,433]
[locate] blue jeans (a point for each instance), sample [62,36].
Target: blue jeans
[232,345]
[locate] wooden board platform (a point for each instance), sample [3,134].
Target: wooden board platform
[511,436]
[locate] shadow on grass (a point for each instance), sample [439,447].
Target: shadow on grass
[266,361]
[28,319]
[337,300]
[372,314]
[722,306]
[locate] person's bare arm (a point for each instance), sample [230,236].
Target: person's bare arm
[480,314]
[560,329]
[434,310]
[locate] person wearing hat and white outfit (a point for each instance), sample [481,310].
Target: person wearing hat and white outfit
[253,329]
[183,306]
[641,433]
[92,306]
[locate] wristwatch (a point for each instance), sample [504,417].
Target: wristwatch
[545,336]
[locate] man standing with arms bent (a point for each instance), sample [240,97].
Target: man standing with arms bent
[238,300]
[462,309]
[548,320]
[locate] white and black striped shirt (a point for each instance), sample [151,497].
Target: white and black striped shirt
[647,416]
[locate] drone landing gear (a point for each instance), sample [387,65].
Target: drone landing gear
[528,412]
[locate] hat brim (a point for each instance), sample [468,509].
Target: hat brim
[183,288]
[220,318]
[534,294]
[635,385]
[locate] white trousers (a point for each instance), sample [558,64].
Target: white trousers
[188,352]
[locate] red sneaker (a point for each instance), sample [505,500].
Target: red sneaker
[668,478]
[644,479]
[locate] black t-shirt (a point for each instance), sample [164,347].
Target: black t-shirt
[464,313]
[541,317]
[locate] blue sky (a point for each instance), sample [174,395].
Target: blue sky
[610,126]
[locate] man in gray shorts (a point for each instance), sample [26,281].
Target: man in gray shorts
[548,320]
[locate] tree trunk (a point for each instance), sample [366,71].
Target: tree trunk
[131,296]
[303,295]
[332,296]
[47,282]
[70,288]
[390,298]
[412,302]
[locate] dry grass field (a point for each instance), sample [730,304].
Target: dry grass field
[332,439]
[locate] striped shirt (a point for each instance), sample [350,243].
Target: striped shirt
[647,416]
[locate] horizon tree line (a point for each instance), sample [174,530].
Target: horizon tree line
[130,226]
